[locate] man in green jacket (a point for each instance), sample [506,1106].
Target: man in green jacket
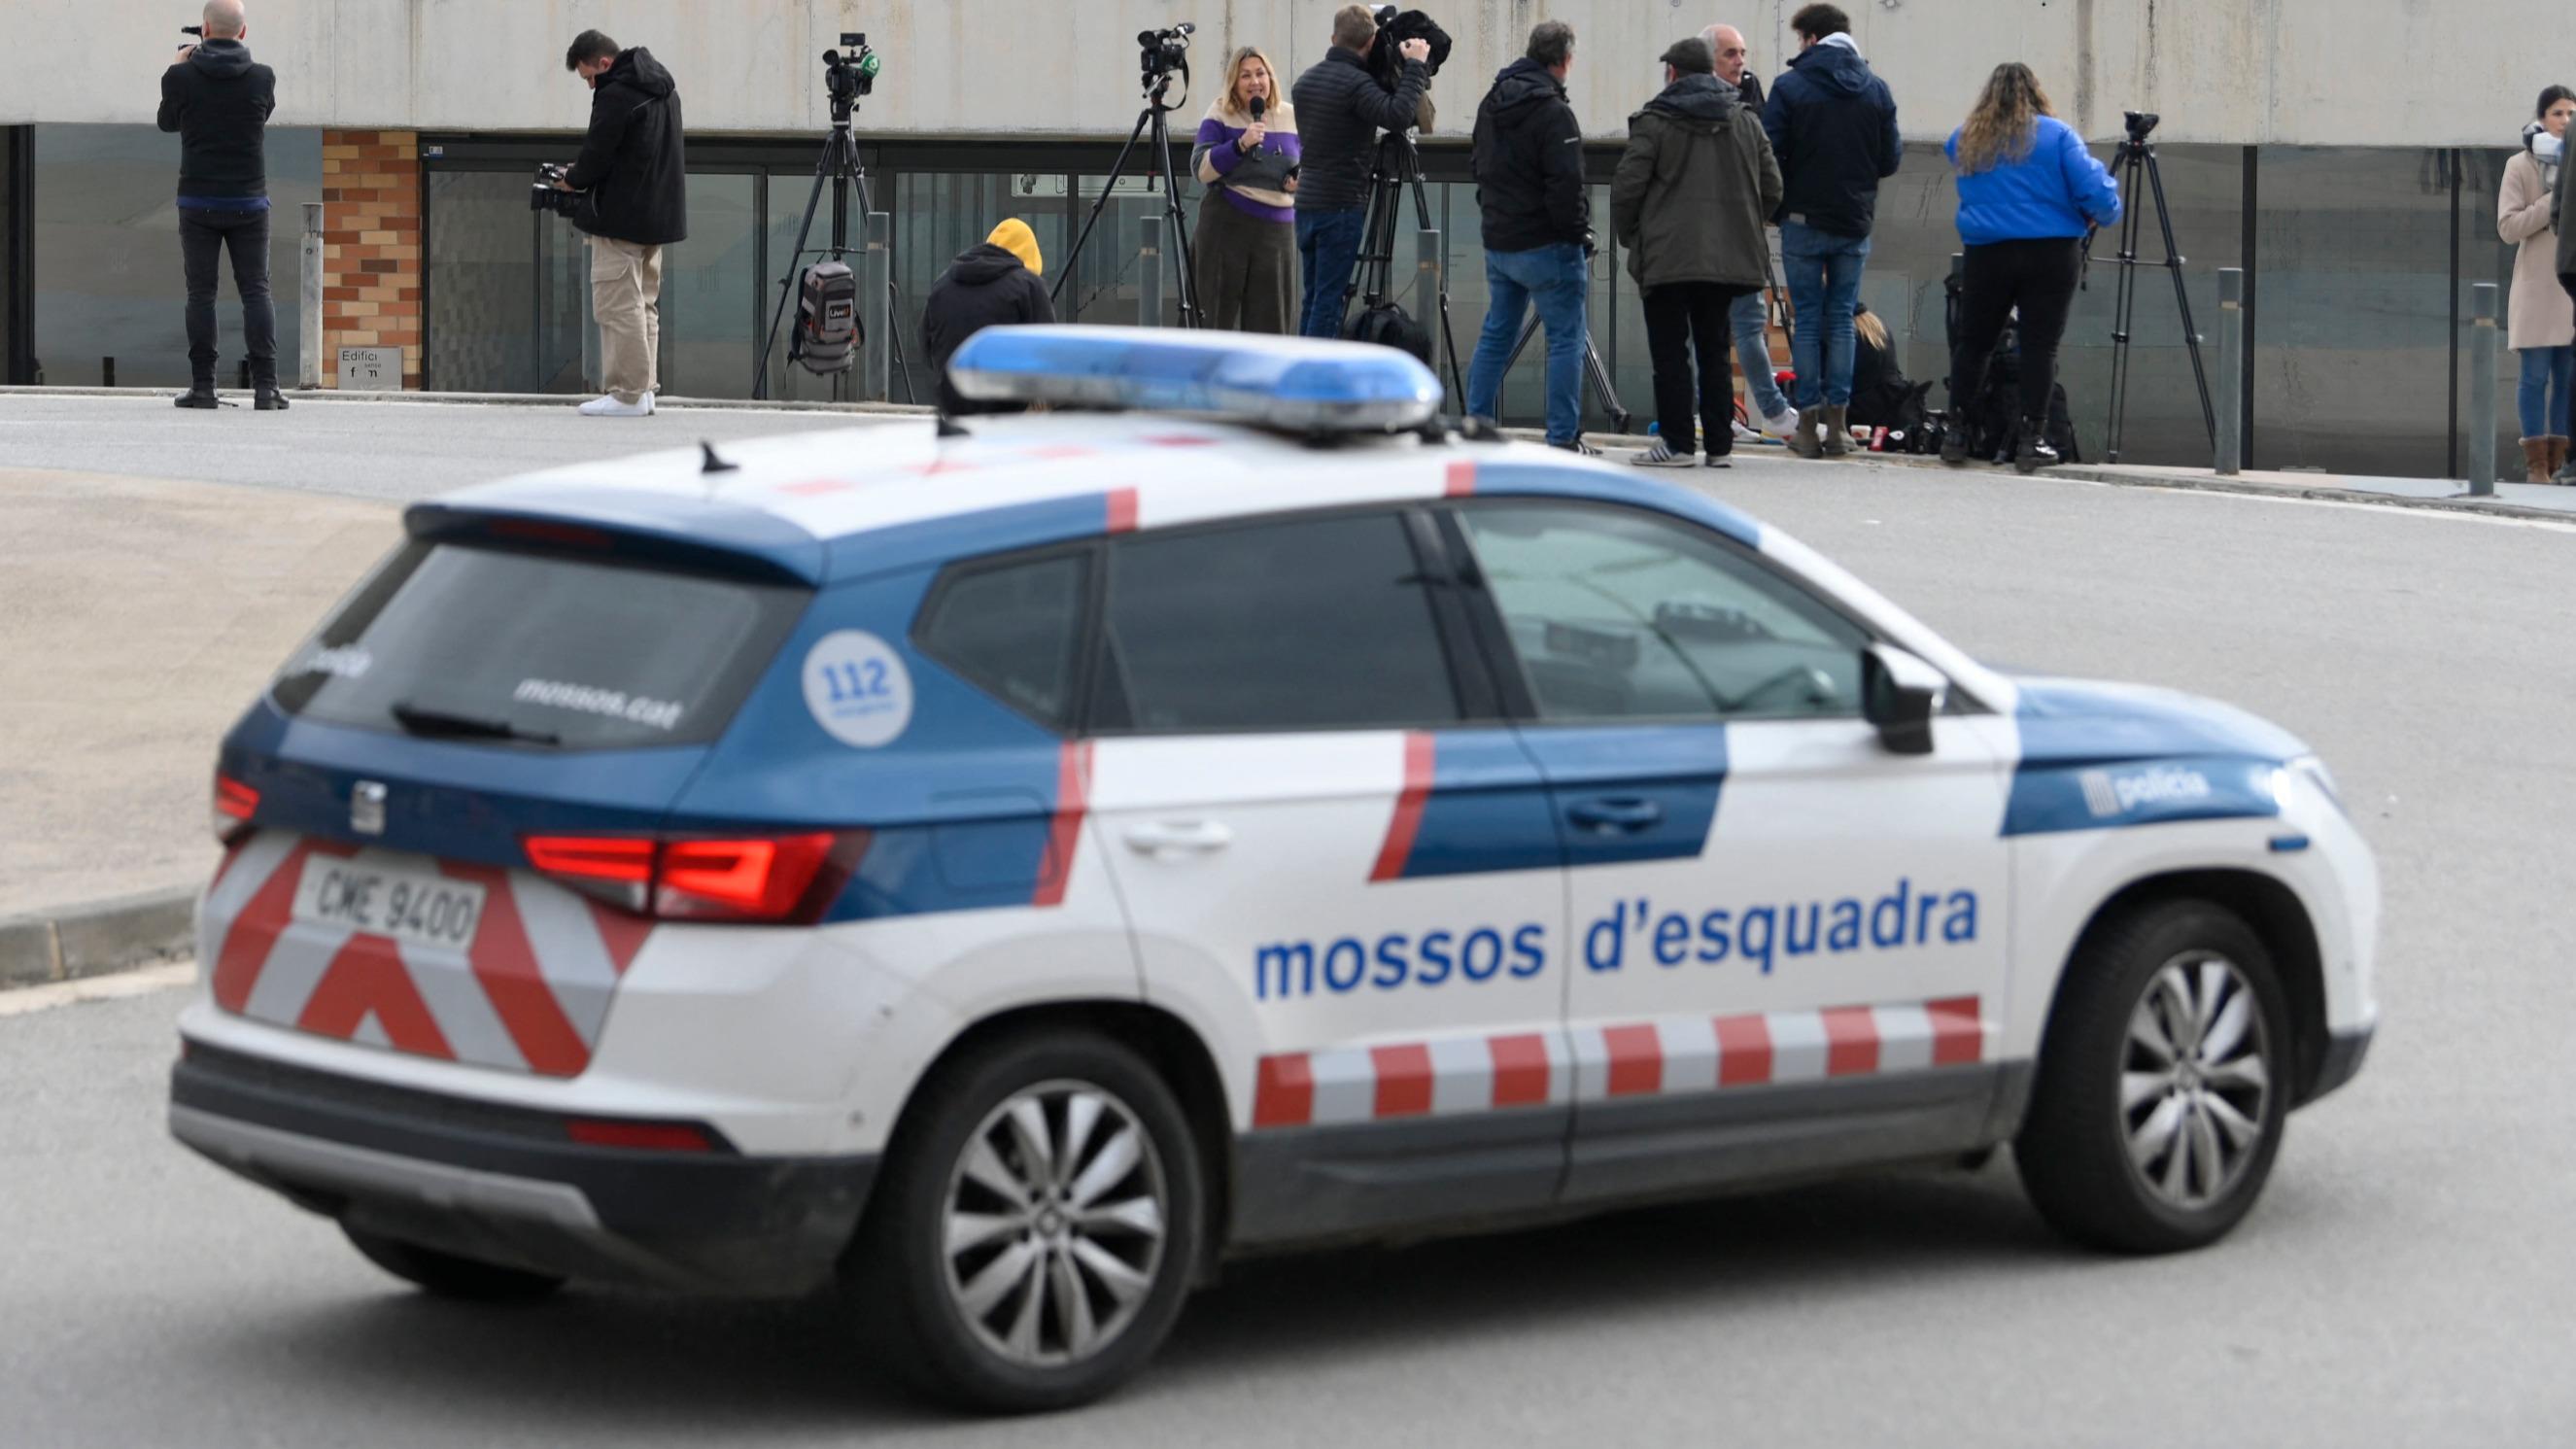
[1687,204]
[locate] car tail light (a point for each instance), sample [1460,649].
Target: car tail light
[616,869]
[762,878]
[649,1136]
[235,803]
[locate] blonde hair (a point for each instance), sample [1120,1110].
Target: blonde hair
[2004,124]
[1871,327]
[1232,110]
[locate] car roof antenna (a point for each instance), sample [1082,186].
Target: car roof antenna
[715,464]
[950,428]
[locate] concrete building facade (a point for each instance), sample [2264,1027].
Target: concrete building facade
[2345,153]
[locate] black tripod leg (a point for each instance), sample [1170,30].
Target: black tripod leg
[1185,285]
[2182,298]
[2124,306]
[1619,415]
[787,284]
[1108,188]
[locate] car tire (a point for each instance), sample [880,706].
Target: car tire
[445,1275]
[980,1275]
[2163,1082]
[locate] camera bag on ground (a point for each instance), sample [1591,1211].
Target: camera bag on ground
[827,317]
[1389,325]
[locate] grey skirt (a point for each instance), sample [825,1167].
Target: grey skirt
[1246,269]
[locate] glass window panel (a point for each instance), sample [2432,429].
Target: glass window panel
[1318,623]
[108,277]
[1011,628]
[709,292]
[482,282]
[2352,310]
[1106,287]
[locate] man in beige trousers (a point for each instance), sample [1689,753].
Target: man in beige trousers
[635,165]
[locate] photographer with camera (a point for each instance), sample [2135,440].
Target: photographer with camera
[1537,230]
[219,102]
[1341,108]
[633,168]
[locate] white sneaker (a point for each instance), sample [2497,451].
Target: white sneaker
[1661,455]
[1744,434]
[609,407]
[1782,423]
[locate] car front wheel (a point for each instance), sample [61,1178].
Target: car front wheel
[1037,1227]
[2163,1082]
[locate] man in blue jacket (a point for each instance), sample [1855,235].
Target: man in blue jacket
[1833,126]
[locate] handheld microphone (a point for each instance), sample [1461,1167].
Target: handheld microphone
[1257,107]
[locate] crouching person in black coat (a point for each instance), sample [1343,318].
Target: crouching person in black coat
[993,284]
[635,163]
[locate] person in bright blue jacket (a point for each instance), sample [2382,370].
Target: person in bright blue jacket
[2028,192]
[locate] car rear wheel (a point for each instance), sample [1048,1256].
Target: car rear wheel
[2163,1083]
[448,1276]
[1037,1227]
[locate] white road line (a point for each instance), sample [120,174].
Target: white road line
[28,1000]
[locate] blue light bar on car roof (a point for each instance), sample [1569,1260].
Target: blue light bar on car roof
[1296,384]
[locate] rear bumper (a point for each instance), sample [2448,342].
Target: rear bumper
[507,1185]
[2341,1062]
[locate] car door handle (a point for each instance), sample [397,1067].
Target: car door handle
[1616,815]
[1196,837]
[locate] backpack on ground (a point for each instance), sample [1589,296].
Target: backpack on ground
[827,318]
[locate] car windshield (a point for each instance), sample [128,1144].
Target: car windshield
[460,642]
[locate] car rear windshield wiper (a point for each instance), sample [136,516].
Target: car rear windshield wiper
[441,724]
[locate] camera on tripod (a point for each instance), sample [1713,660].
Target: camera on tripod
[1394,28]
[545,195]
[2140,123]
[848,77]
[1161,52]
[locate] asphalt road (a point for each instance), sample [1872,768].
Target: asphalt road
[2407,1280]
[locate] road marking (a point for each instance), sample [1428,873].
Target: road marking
[28,1000]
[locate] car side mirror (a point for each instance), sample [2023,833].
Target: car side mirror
[1900,694]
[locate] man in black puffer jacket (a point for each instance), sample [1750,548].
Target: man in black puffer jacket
[1538,229]
[219,102]
[635,162]
[1340,110]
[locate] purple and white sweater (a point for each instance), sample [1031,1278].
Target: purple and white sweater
[1256,182]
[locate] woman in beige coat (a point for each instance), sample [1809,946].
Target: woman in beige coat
[2543,324]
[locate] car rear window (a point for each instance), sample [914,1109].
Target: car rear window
[538,649]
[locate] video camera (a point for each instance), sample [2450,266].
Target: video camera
[1161,52]
[848,77]
[544,195]
[2140,123]
[1394,28]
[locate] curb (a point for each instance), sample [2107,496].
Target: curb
[97,939]
[333,397]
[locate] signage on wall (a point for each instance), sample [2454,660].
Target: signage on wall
[1051,183]
[371,369]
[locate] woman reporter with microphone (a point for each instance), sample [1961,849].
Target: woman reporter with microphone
[1246,248]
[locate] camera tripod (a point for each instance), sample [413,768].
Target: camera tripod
[1398,166]
[2135,158]
[1153,126]
[841,169]
[1593,368]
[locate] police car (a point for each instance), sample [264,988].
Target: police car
[1011,867]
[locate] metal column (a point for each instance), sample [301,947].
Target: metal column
[1149,271]
[2482,391]
[2231,369]
[874,285]
[308,344]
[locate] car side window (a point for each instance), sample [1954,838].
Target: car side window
[1617,615]
[1297,624]
[1012,628]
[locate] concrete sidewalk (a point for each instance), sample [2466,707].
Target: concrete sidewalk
[137,617]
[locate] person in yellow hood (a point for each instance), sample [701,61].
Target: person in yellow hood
[991,284]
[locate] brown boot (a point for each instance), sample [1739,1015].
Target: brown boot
[1838,438]
[2535,460]
[1804,442]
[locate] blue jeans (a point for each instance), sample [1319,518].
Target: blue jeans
[1752,319]
[1824,286]
[1559,281]
[2546,373]
[1328,246]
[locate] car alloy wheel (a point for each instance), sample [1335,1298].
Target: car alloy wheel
[2197,1080]
[1055,1224]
